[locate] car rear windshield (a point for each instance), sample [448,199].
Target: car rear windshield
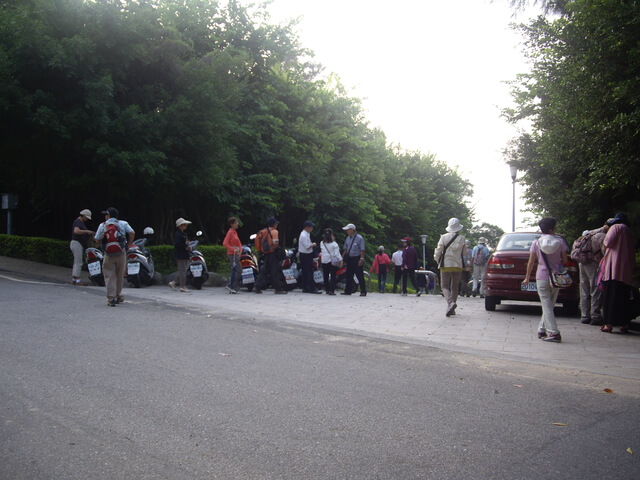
[517,241]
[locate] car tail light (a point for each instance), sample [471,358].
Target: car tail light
[497,263]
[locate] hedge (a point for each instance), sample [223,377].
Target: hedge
[57,252]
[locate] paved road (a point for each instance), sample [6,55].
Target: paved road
[169,390]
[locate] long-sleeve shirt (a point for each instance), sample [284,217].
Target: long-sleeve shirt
[232,242]
[409,257]
[379,259]
[305,243]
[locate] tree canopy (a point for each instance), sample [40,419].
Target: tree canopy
[581,101]
[167,108]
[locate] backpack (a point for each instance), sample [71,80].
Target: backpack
[481,256]
[264,241]
[582,249]
[114,241]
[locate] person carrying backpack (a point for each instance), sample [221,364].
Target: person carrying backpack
[479,258]
[116,236]
[587,251]
[268,243]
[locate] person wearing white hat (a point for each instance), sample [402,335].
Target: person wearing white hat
[450,257]
[181,250]
[79,237]
[353,253]
[547,246]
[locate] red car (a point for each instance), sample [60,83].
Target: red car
[507,267]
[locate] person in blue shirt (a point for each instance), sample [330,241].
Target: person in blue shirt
[353,253]
[479,258]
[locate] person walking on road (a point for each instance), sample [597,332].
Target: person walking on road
[353,253]
[306,248]
[380,265]
[181,254]
[409,265]
[331,261]
[79,238]
[546,252]
[449,255]
[479,257]
[115,259]
[234,250]
[396,259]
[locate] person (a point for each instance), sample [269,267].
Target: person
[114,264]
[546,250]
[181,251]
[448,254]
[331,261]
[353,253]
[381,262]
[590,294]
[479,257]
[465,276]
[271,267]
[617,275]
[79,238]
[396,258]
[306,249]
[409,265]
[234,249]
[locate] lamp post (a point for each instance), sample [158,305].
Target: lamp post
[514,174]
[424,254]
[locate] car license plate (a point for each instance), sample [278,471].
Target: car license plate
[529,287]
[133,268]
[94,268]
[196,270]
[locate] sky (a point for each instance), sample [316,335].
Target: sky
[431,75]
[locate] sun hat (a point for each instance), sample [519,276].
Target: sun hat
[619,218]
[182,221]
[548,244]
[349,226]
[482,240]
[454,225]
[381,247]
[86,213]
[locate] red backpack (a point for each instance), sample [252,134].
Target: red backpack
[114,241]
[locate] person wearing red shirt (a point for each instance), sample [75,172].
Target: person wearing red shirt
[234,249]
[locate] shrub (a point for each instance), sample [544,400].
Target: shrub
[37,249]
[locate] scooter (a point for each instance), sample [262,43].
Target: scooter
[249,264]
[341,279]
[94,258]
[197,272]
[140,268]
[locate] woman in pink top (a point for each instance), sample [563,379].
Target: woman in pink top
[381,265]
[234,249]
[617,272]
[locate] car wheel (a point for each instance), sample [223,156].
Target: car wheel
[490,303]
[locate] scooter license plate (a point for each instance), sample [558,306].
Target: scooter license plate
[247,276]
[317,276]
[133,268]
[289,276]
[196,270]
[94,268]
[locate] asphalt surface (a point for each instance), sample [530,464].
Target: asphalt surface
[177,388]
[509,333]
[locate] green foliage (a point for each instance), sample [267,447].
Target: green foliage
[582,99]
[167,108]
[36,249]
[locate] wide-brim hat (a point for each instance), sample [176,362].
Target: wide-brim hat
[182,221]
[349,226]
[548,244]
[86,213]
[482,240]
[454,225]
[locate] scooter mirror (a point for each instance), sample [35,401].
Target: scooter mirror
[253,237]
[199,233]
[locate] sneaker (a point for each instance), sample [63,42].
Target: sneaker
[585,321]
[172,285]
[542,334]
[112,302]
[404,294]
[418,294]
[185,290]
[231,290]
[120,300]
[553,338]
[281,292]
[474,293]
[331,293]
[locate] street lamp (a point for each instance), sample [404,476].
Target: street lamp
[514,174]
[424,255]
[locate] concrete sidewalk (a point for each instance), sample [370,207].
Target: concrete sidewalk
[510,332]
